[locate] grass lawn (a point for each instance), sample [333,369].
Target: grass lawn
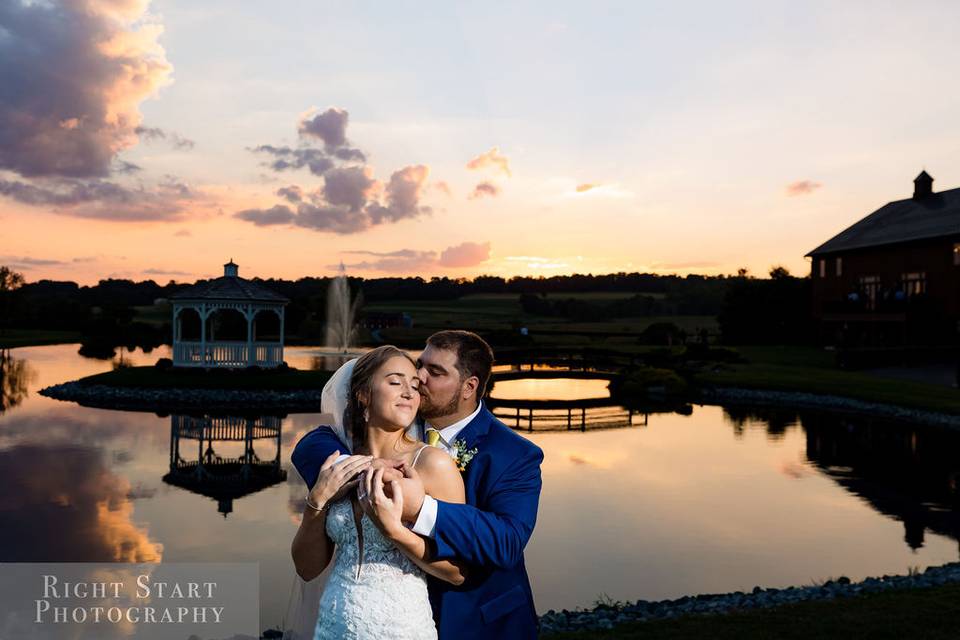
[153,378]
[813,370]
[603,296]
[930,613]
[690,324]
[12,338]
[502,312]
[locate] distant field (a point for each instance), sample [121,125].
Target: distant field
[687,323]
[12,338]
[603,295]
[502,313]
[479,312]
[154,314]
[505,304]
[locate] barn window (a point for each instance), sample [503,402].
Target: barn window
[915,283]
[870,285]
[956,253]
[839,266]
[823,268]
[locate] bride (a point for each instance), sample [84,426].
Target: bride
[377,587]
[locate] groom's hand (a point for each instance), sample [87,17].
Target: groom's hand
[391,469]
[413,493]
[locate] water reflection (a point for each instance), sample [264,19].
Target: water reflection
[775,421]
[907,473]
[62,504]
[223,478]
[15,378]
[550,389]
[566,404]
[699,500]
[566,415]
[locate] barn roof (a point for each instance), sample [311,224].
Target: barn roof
[933,216]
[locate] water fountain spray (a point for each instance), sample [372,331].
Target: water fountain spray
[341,313]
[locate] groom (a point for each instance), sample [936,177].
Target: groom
[502,483]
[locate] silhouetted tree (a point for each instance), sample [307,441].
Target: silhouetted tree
[10,282]
[15,376]
[779,273]
[760,311]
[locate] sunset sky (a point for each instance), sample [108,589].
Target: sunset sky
[160,139]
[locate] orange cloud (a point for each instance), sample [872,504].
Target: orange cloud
[586,186]
[491,159]
[75,493]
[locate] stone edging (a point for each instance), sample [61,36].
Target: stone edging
[172,399]
[608,616]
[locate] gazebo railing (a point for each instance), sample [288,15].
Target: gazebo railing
[227,354]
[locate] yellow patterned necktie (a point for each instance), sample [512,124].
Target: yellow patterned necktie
[433,437]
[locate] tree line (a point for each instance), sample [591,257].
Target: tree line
[774,309]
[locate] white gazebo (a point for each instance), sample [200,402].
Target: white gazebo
[207,301]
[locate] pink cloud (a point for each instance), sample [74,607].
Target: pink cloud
[442,187]
[485,189]
[802,187]
[467,254]
[75,74]
[412,261]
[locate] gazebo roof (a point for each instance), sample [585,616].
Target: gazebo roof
[230,286]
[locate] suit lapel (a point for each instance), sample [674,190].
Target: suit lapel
[476,429]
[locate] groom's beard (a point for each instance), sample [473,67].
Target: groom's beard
[430,411]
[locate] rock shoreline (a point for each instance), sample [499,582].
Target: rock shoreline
[607,616]
[799,399]
[171,400]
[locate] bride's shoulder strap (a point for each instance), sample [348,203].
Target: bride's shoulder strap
[417,456]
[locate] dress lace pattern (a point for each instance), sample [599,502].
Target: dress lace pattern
[388,600]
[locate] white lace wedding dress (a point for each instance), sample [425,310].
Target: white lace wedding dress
[388,600]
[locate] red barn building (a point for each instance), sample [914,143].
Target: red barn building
[893,278]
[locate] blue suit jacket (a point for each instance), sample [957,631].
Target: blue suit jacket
[489,532]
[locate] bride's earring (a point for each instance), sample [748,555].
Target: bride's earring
[366,415]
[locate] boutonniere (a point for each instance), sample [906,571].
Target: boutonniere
[461,454]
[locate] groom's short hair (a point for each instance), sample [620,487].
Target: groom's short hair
[474,355]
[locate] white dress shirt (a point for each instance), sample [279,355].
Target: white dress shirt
[427,519]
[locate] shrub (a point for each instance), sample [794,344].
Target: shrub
[646,380]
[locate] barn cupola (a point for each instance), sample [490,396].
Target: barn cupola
[922,186]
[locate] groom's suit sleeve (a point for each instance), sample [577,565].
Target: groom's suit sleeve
[312,450]
[496,535]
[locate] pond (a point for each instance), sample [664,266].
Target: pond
[704,500]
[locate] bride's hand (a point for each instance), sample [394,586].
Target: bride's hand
[336,478]
[385,511]
[391,468]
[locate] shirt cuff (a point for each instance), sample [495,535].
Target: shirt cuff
[427,519]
